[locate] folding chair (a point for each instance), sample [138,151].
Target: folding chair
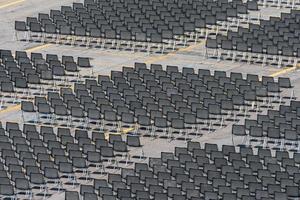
[7,191]
[160,124]
[71,195]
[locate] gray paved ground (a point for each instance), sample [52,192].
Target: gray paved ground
[106,60]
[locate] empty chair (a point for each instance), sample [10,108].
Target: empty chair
[83,62]
[7,191]
[90,196]
[133,141]
[284,82]
[210,147]
[27,106]
[120,146]
[71,195]
[238,130]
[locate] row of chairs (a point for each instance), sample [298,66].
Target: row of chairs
[293,4]
[129,25]
[35,161]
[196,172]
[157,100]
[278,128]
[22,76]
[275,40]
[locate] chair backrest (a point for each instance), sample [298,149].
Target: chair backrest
[238,130]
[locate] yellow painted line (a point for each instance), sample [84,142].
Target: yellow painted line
[124,131]
[127,130]
[11,109]
[11,4]
[159,58]
[283,71]
[40,47]
[107,134]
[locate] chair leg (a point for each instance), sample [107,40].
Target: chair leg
[210,126]
[292,95]
[298,148]
[222,122]
[248,141]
